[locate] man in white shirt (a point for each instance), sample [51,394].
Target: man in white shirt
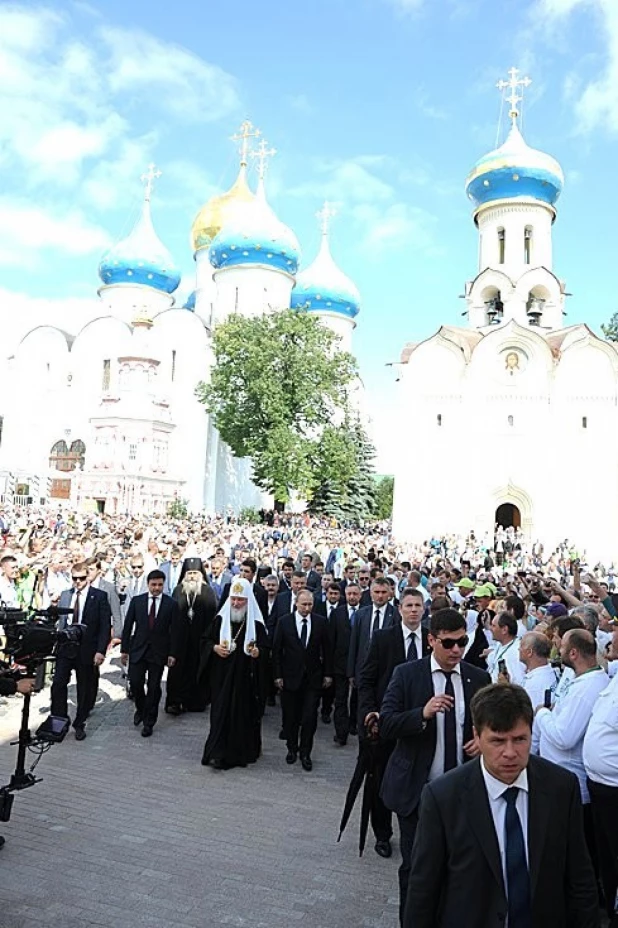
[600,756]
[504,631]
[9,571]
[562,730]
[541,678]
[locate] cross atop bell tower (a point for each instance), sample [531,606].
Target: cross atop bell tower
[148,179]
[513,97]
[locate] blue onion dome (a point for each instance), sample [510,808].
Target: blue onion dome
[190,302]
[323,287]
[514,171]
[140,258]
[254,236]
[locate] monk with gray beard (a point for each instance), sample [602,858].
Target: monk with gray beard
[198,605]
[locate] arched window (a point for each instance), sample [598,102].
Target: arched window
[528,245]
[501,246]
[584,422]
[510,420]
[439,419]
[66,459]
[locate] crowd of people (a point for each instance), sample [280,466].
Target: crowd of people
[489,650]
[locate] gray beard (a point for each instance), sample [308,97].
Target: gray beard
[191,586]
[237,615]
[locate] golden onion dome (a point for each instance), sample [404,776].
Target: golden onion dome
[217,211]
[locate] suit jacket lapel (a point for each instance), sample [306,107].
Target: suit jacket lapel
[539,808]
[468,691]
[400,651]
[481,820]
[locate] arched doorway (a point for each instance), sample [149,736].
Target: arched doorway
[508,515]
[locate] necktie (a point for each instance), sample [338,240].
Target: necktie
[517,875]
[76,610]
[352,616]
[412,654]
[303,633]
[450,728]
[376,622]
[153,613]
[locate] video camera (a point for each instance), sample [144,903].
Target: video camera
[32,639]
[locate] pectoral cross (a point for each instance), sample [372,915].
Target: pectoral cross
[513,83]
[149,178]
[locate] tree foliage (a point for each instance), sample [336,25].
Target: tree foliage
[348,494]
[610,331]
[178,508]
[384,497]
[277,389]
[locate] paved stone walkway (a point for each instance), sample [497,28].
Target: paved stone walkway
[127,832]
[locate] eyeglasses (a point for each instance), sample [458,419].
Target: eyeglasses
[450,643]
[136,566]
[80,577]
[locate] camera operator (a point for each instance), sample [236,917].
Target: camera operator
[91,610]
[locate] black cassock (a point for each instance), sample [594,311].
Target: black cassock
[185,690]
[235,737]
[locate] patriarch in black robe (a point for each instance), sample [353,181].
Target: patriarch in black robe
[231,655]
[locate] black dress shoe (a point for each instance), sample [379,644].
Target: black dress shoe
[341,742]
[281,735]
[80,734]
[138,718]
[2,841]
[383,848]
[306,762]
[173,710]
[326,718]
[353,730]
[146,731]
[290,757]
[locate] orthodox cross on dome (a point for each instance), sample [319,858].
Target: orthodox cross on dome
[513,84]
[263,153]
[149,178]
[325,215]
[247,131]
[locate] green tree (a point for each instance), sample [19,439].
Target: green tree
[610,331]
[348,491]
[178,508]
[384,497]
[277,386]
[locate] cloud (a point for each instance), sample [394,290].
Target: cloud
[188,87]
[596,101]
[26,231]
[399,226]
[405,7]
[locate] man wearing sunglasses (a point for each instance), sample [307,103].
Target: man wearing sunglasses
[90,609]
[426,710]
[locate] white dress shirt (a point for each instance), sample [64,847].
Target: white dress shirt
[382,611]
[299,624]
[562,730]
[497,804]
[439,685]
[509,653]
[600,751]
[8,592]
[417,635]
[83,593]
[535,683]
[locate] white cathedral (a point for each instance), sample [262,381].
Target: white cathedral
[511,419]
[107,418]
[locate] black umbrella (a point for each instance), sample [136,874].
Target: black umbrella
[366,774]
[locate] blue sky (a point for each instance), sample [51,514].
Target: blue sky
[380,105]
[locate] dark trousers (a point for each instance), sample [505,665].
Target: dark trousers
[328,697]
[300,716]
[94,688]
[341,717]
[146,673]
[381,817]
[62,677]
[353,708]
[407,833]
[604,806]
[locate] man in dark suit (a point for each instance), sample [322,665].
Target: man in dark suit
[152,637]
[370,619]
[91,611]
[501,839]
[426,709]
[326,609]
[248,571]
[286,601]
[341,622]
[285,580]
[172,570]
[302,661]
[313,577]
[389,647]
